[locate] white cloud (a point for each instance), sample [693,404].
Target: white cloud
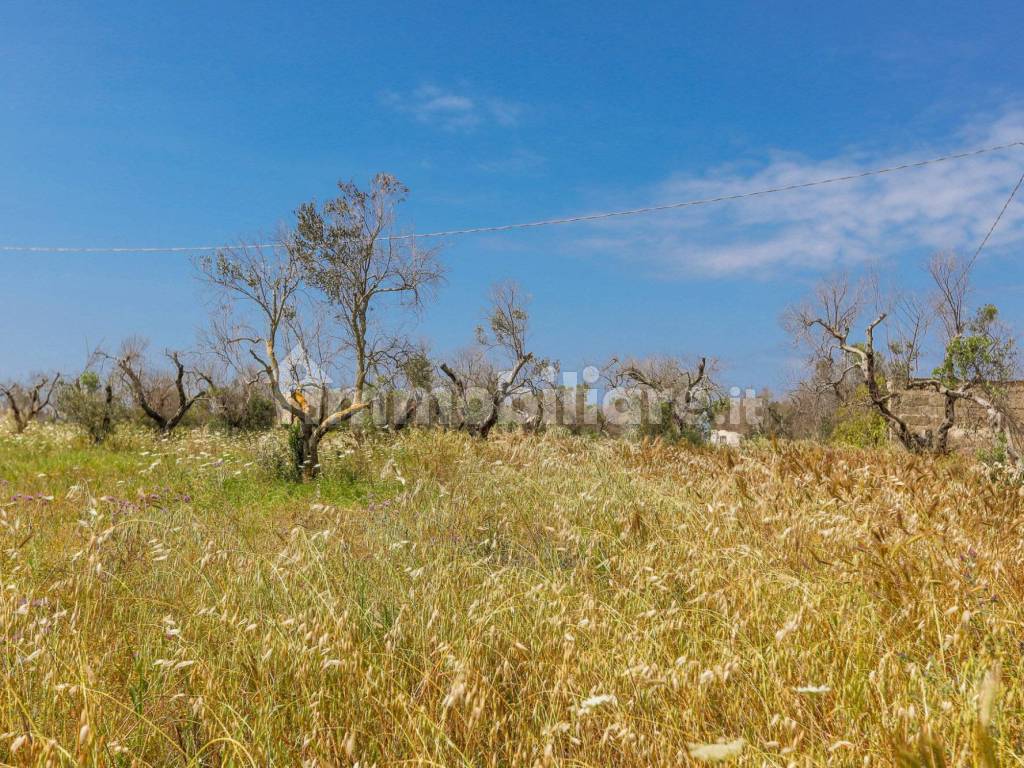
[520,161]
[452,110]
[947,205]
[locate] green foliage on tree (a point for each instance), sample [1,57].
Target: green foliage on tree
[983,354]
[418,370]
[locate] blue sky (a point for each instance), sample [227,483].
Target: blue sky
[132,124]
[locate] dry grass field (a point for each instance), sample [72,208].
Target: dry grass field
[434,600]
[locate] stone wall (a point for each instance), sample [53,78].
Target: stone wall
[924,410]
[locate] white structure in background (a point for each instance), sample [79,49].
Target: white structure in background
[304,380]
[725,437]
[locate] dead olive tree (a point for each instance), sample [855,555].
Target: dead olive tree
[325,302]
[681,392]
[164,398]
[483,378]
[825,325]
[27,401]
[816,401]
[259,289]
[268,317]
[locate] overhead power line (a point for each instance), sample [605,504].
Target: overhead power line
[984,240]
[574,219]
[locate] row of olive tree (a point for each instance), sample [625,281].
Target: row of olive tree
[129,385]
[334,300]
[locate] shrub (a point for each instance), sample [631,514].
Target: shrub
[995,454]
[91,405]
[859,428]
[238,410]
[258,415]
[666,427]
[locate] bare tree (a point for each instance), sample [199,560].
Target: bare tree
[324,295]
[952,278]
[482,379]
[26,401]
[164,399]
[908,328]
[683,390]
[541,400]
[910,325]
[825,326]
[265,318]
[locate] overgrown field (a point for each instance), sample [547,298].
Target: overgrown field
[434,600]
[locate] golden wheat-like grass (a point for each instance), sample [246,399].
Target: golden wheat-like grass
[435,600]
